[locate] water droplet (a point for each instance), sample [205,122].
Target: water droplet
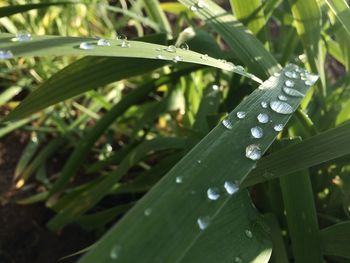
[160,57]
[248,233]
[215,87]
[230,65]
[227,124]
[281,107]
[177,59]
[179,180]
[278,127]
[308,82]
[264,104]
[291,74]
[115,251]
[194,8]
[237,260]
[241,114]
[23,36]
[184,46]
[240,68]
[293,92]
[276,74]
[171,49]
[158,49]
[203,222]
[103,42]
[199,161]
[256,132]
[213,193]
[231,188]
[253,152]
[263,117]
[204,57]
[86,46]
[125,44]
[282,98]
[5,54]
[289,83]
[148,212]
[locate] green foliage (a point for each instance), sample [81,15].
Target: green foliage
[171,139]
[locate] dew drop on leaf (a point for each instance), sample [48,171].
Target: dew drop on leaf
[263,118]
[281,107]
[171,49]
[115,251]
[241,114]
[293,92]
[203,222]
[248,233]
[23,36]
[5,54]
[227,124]
[125,44]
[253,152]
[179,179]
[289,83]
[160,57]
[177,59]
[204,57]
[148,211]
[86,46]
[282,97]
[264,104]
[291,74]
[231,188]
[256,132]
[278,127]
[103,42]
[213,193]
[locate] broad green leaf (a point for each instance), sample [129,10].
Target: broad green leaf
[318,149]
[341,9]
[14,9]
[243,44]
[165,221]
[336,240]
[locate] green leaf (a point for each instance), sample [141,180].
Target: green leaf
[156,13]
[235,229]
[14,9]
[336,240]
[321,148]
[92,72]
[244,45]
[341,10]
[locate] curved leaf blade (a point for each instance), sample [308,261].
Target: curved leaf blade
[170,232]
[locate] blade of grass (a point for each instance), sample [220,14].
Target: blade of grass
[219,157]
[251,14]
[14,9]
[156,13]
[342,11]
[59,46]
[243,44]
[321,148]
[336,239]
[301,217]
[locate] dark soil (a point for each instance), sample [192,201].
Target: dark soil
[23,235]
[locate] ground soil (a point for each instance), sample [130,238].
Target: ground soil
[23,235]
